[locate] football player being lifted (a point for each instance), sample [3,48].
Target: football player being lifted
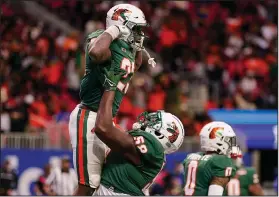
[245,182]
[209,171]
[119,47]
[137,156]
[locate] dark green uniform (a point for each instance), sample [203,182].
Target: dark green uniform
[91,88]
[122,176]
[200,170]
[239,185]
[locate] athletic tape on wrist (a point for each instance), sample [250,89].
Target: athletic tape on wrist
[113,31]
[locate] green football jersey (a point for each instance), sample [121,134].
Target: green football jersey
[122,176]
[239,184]
[91,88]
[200,168]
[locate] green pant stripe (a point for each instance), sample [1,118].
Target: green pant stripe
[85,162]
[77,165]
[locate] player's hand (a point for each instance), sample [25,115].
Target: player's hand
[111,79]
[152,62]
[124,31]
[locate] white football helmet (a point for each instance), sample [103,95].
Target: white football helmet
[165,127]
[219,137]
[130,16]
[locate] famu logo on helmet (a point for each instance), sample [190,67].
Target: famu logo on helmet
[216,132]
[120,13]
[174,131]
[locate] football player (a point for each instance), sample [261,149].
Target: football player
[120,47]
[136,156]
[209,171]
[245,182]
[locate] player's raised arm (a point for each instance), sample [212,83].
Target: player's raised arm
[256,190]
[112,136]
[138,60]
[143,57]
[99,47]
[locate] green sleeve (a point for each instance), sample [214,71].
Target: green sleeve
[222,166]
[94,34]
[252,176]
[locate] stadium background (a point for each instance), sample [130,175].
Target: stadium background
[215,61]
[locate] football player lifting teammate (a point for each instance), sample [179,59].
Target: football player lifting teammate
[137,156]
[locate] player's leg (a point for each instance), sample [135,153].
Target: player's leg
[76,131]
[96,152]
[89,151]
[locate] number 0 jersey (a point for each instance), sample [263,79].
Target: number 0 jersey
[122,176]
[239,185]
[200,168]
[91,88]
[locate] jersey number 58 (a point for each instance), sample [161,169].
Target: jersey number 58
[139,142]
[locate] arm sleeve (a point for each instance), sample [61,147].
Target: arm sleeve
[215,190]
[92,36]
[222,166]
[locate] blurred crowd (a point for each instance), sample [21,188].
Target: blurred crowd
[210,55]
[56,179]
[48,182]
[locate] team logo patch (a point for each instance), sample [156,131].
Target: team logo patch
[120,13]
[174,131]
[216,131]
[123,49]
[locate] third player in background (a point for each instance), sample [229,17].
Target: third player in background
[245,182]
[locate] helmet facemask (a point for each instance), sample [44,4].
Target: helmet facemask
[137,36]
[152,123]
[227,145]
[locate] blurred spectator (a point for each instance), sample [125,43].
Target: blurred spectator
[158,188]
[178,172]
[41,188]
[63,181]
[8,180]
[168,184]
[173,186]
